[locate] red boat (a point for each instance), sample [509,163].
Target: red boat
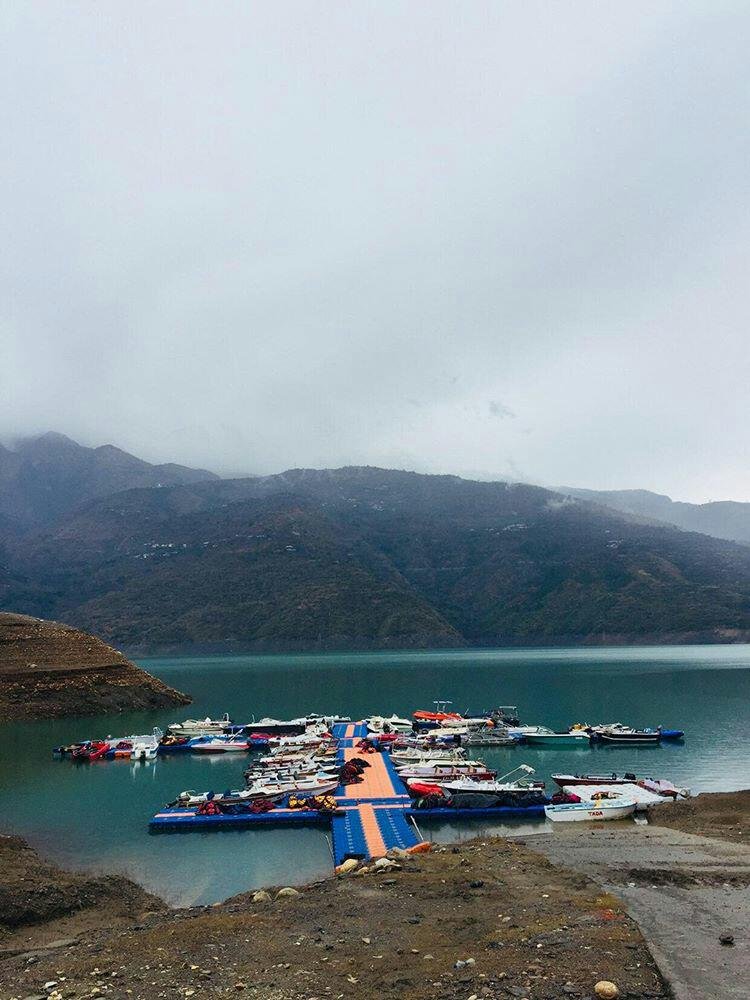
[593,779]
[436,716]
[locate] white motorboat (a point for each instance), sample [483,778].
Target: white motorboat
[450,728]
[547,738]
[144,747]
[659,786]
[289,774]
[201,727]
[298,786]
[437,773]
[494,786]
[632,791]
[431,762]
[494,736]
[616,732]
[314,735]
[378,724]
[190,798]
[220,744]
[290,759]
[418,755]
[583,812]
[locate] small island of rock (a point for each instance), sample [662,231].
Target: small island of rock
[51,670]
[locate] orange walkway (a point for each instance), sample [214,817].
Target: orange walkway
[376,781]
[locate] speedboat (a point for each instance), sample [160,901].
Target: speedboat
[220,744]
[437,755]
[521,732]
[428,720]
[292,727]
[582,812]
[310,737]
[463,793]
[378,724]
[296,786]
[637,791]
[657,786]
[547,738]
[490,736]
[430,761]
[201,727]
[289,773]
[495,785]
[190,798]
[446,772]
[618,733]
[563,780]
[304,753]
[144,748]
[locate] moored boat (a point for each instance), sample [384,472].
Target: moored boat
[658,786]
[548,738]
[583,812]
[437,755]
[564,780]
[638,792]
[201,727]
[446,772]
[144,748]
[617,732]
[298,786]
[490,736]
[378,724]
[625,734]
[220,744]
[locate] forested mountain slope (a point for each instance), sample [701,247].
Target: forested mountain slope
[372,557]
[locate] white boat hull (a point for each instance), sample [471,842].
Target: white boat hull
[587,812]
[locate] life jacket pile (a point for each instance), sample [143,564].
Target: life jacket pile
[322,803]
[261,806]
[173,741]
[350,773]
[209,808]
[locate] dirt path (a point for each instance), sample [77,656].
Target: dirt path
[684,891]
[491,920]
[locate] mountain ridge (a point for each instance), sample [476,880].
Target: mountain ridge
[44,477]
[361,557]
[356,557]
[728,519]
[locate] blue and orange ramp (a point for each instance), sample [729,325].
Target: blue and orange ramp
[372,818]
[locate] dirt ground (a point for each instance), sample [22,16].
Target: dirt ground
[724,815]
[489,919]
[49,670]
[684,878]
[524,927]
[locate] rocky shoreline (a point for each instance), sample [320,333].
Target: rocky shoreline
[490,920]
[51,670]
[543,918]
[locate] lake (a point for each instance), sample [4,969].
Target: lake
[95,816]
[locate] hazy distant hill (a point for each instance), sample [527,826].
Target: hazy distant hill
[44,477]
[363,556]
[722,518]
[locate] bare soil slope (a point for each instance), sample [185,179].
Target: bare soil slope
[49,670]
[526,927]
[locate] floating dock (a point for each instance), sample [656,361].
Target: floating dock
[372,816]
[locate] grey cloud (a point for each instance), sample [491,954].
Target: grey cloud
[499,409]
[250,237]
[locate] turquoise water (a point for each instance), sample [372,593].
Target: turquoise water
[96,816]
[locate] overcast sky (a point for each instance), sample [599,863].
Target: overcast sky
[498,239]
